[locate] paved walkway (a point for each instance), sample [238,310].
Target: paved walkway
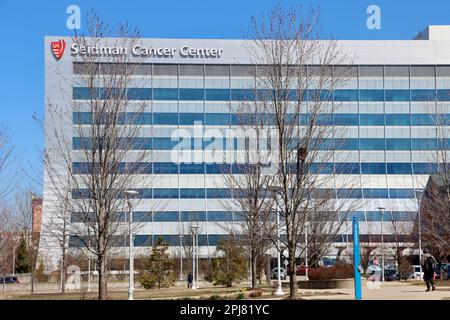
[387,291]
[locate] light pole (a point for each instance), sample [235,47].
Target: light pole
[14,259]
[181,257]
[381,209]
[194,230]
[418,194]
[129,194]
[279,291]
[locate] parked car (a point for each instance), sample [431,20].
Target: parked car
[283,273]
[9,280]
[417,274]
[391,275]
[301,270]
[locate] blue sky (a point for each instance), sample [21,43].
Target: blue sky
[23,25]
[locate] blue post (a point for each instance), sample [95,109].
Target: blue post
[356,259]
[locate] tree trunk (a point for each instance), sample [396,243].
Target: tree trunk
[254,270]
[268,269]
[102,280]
[292,273]
[63,271]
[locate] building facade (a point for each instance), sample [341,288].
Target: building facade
[385,108]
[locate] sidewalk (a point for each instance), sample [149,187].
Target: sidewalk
[387,291]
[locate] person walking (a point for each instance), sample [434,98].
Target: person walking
[189,280]
[428,263]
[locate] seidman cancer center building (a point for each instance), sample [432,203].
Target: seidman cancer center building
[385,108]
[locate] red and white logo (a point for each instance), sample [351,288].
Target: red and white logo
[58,48]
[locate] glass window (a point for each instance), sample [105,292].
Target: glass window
[345,95]
[371,95]
[218,193]
[399,168]
[139,94]
[373,168]
[217,94]
[242,94]
[193,216]
[398,144]
[165,118]
[165,193]
[397,119]
[373,119]
[422,120]
[217,119]
[192,168]
[191,118]
[375,193]
[165,168]
[165,70]
[192,193]
[346,119]
[397,95]
[372,144]
[192,94]
[423,95]
[217,70]
[165,94]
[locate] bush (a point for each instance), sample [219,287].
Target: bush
[255,294]
[240,296]
[341,271]
[215,297]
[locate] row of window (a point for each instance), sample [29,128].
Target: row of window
[225,193]
[223,168]
[166,143]
[217,216]
[208,94]
[213,239]
[226,119]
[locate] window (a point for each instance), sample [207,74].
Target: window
[217,119]
[217,94]
[192,94]
[371,119]
[165,118]
[397,119]
[191,118]
[165,94]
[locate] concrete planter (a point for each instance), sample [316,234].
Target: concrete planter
[328,284]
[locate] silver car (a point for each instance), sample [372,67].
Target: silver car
[283,273]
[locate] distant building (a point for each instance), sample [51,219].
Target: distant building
[36,209]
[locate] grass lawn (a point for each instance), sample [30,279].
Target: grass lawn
[174,293]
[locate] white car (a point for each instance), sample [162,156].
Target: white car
[417,274]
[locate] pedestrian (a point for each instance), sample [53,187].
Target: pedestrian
[189,280]
[428,263]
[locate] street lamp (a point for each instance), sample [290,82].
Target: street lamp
[279,291]
[129,194]
[181,257]
[418,194]
[381,209]
[194,230]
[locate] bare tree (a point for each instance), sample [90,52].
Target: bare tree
[6,243]
[296,74]
[10,175]
[402,241]
[249,179]
[435,202]
[107,145]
